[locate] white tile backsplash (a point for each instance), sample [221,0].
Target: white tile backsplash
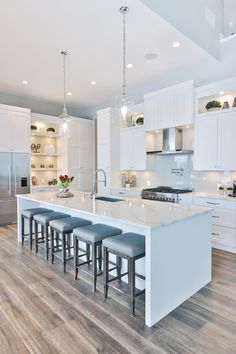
[177,171]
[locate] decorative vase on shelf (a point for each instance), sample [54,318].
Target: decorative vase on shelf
[225,105]
[221,191]
[64,183]
[49,149]
[234,103]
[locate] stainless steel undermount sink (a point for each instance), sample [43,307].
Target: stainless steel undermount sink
[109,199]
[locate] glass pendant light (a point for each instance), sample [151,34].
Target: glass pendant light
[64,116]
[124,102]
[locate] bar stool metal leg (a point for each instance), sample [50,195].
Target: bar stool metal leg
[64,251]
[118,264]
[76,250]
[52,243]
[132,285]
[94,258]
[46,242]
[31,233]
[22,229]
[36,235]
[105,270]
[100,257]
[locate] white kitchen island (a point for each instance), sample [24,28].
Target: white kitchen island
[178,242]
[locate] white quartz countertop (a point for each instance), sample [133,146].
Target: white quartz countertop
[137,212]
[209,195]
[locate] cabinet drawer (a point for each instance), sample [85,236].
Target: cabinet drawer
[224,235]
[224,217]
[214,203]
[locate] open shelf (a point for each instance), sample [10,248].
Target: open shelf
[45,169]
[45,134]
[43,154]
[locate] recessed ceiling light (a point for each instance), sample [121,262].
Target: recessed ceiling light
[69,93]
[93,82]
[187,126]
[150,56]
[175,44]
[221,92]
[156,131]
[25,82]
[130,66]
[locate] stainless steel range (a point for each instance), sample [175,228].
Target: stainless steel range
[163,194]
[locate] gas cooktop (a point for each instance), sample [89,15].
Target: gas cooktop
[163,193]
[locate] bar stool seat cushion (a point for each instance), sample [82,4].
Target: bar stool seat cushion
[96,232]
[29,213]
[68,224]
[129,244]
[53,215]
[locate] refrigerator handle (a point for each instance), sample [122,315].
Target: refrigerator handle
[15,180]
[9,181]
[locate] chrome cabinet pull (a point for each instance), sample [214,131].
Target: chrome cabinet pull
[215,216]
[214,234]
[213,203]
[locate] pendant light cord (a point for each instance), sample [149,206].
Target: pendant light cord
[64,79]
[124,87]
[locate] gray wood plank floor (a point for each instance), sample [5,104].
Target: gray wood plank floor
[44,311]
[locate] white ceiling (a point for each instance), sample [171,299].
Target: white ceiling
[32,34]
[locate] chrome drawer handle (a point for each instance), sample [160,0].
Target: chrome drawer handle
[215,216]
[213,203]
[214,234]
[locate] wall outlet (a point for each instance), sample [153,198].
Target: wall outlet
[148,183]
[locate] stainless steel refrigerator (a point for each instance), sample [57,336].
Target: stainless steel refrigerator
[14,179]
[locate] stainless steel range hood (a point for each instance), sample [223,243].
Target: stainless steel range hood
[172,143]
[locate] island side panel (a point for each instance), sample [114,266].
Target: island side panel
[178,264]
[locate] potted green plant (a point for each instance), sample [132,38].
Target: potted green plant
[221,190]
[127,183]
[229,190]
[139,120]
[213,105]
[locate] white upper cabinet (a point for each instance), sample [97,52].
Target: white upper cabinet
[20,132]
[151,112]
[166,110]
[15,129]
[169,107]
[215,141]
[184,105]
[80,153]
[132,149]
[227,141]
[107,141]
[5,131]
[206,142]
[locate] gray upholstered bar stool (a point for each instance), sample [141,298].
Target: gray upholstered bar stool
[43,220]
[60,231]
[28,214]
[93,235]
[130,246]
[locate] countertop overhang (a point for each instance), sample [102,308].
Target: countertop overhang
[137,212]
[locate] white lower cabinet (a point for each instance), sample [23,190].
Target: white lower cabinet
[224,236]
[223,220]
